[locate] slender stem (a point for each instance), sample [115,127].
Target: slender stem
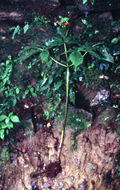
[58,62]
[66,113]
[65,48]
[85,54]
[66,105]
[71,65]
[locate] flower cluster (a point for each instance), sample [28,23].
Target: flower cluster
[65,23]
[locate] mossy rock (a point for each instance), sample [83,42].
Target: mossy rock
[77,119]
[4,155]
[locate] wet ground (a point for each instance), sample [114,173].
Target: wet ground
[33,164]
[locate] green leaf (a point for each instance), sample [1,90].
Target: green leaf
[71,40]
[84,1]
[2,134]
[47,114]
[72,96]
[17,90]
[48,95]
[76,58]
[14,118]
[26,27]
[3,125]
[7,131]
[106,118]
[43,88]
[7,120]
[14,101]
[114,41]
[2,117]
[27,91]
[54,41]
[7,62]
[84,21]
[44,55]
[64,19]
[34,95]
[91,66]
[92,2]
[11,113]
[50,80]
[10,125]
[31,89]
[57,85]
[91,50]
[61,31]
[88,125]
[107,56]
[17,30]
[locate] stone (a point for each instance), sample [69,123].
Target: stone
[11,16]
[42,6]
[98,5]
[101,96]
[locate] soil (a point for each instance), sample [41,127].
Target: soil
[34,164]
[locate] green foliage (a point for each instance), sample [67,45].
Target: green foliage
[44,55]
[76,58]
[72,96]
[6,123]
[106,118]
[84,1]
[115,85]
[107,56]
[63,49]
[5,73]
[30,91]
[47,114]
[63,19]
[4,153]
[114,40]
[8,90]
[92,1]
[47,62]
[4,156]
[26,28]
[16,30]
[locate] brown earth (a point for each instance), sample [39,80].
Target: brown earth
[89,167]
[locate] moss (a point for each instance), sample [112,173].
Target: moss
[77,119]
[4,156]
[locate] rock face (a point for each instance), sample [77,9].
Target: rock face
[102,95]
[98,5]
[40,6]
[11,16]
[43,7]
[87,167]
